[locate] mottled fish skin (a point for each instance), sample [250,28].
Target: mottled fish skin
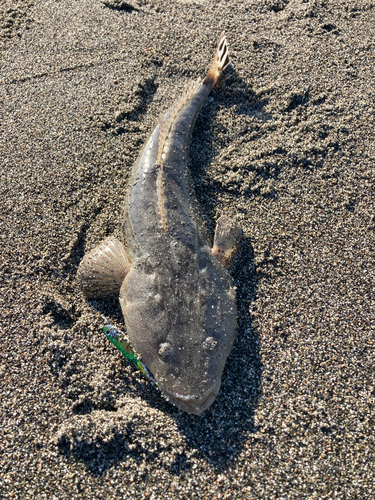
[178,301]
[176,295]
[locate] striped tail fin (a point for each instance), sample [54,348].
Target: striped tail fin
[219,62]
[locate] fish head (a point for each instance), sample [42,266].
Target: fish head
[181,319]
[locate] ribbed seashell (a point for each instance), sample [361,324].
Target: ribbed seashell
[103,270]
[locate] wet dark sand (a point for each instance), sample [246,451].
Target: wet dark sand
[287,144]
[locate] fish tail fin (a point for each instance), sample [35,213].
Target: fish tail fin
[219,62]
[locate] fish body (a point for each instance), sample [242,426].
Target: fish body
[176,294]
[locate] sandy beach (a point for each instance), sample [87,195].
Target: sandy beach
[285,144]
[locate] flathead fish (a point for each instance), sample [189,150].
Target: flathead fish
[176,294]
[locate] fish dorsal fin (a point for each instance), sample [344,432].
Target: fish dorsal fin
[166,120]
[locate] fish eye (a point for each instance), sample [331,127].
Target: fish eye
[165,352]
[210,345]
[158,298]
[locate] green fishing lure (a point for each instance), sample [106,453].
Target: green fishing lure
[121,342]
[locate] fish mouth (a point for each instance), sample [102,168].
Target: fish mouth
[194,404]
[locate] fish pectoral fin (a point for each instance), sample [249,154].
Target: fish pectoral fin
[227,237]
[102,271]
